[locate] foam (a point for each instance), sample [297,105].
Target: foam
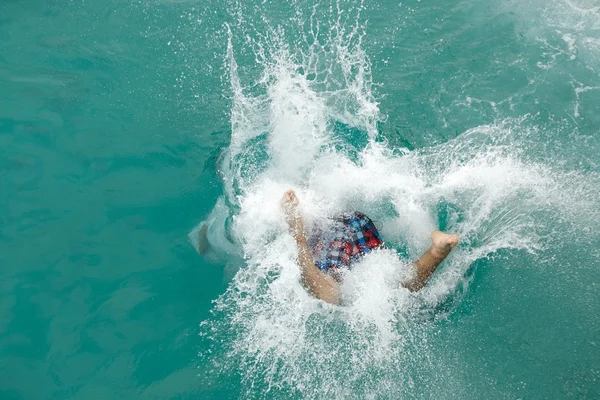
[283,137]
[574,24]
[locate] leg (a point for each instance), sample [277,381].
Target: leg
[318,283]
[441,245]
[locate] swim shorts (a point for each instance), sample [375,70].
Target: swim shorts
[345,238]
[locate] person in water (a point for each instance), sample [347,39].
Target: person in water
[324,256]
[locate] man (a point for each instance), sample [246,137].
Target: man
[348,237]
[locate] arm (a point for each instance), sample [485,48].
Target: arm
[318,283]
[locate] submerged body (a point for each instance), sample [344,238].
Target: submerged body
[338,242]
[351,235]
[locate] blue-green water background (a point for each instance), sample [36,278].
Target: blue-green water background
[112,118]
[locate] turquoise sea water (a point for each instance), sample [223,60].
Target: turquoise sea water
[124,124]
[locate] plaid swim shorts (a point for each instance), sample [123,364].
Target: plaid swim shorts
[345,239]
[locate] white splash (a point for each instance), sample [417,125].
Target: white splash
[286,134]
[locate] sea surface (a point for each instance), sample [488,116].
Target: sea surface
[126,126]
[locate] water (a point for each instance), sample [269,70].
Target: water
[123,125]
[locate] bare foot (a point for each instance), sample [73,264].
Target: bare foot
[442,243]
[289,203]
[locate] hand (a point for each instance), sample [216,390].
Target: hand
[289,203]
[289,200]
